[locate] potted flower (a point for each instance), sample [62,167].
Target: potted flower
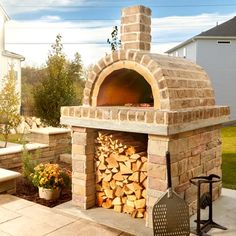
[50,179]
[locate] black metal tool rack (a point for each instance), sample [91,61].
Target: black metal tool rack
[203,226]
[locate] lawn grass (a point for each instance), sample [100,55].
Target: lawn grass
[229,157]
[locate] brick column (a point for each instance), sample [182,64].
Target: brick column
[136,28]
[157,182]
[83,175]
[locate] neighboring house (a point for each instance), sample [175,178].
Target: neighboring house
[8,58]
[215,51]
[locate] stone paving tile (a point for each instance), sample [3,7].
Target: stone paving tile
[6,215]
[84,228]
[14,203]
[23,226]
[42,214]
[4,234]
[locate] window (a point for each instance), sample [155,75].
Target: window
[176,53]
[184,52]
[224,42]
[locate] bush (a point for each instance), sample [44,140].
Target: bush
[28,164]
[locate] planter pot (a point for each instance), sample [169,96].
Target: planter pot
[49,194]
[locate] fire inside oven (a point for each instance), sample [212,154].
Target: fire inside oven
[125,87]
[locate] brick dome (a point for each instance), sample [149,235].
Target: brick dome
[174,83]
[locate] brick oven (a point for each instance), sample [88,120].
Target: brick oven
[169,100]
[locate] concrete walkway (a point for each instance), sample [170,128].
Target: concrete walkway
[19,217]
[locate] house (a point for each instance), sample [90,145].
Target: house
[215,51]
[8,58]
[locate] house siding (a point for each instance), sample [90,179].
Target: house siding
[219,62]
[6,61]
[188,51]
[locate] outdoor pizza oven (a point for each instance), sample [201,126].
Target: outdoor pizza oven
[166,102]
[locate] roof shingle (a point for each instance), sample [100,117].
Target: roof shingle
[227,29]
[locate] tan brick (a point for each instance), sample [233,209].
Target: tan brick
[194,161]
[81,157]
[182,187]
[157,159]
[83,138]
[129,37]
[158,148]
[183,166]
[136,9]
[198,150]
[82,149]
[156,170]
[157,184]
[83,176]
[83,190]
[197,171]
[78,166]
[174,169]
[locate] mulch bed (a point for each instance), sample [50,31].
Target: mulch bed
[25,190]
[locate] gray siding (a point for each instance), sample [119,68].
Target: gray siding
[219,61]
[188,51]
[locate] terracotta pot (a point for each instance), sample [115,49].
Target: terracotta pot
[49,194]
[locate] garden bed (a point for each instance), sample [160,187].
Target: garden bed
[25,190]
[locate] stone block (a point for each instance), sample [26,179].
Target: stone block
[83,138]
[183,166]
[156,147]
[182,187]
[83,149]
[157,170]
[157,184]
[194,161]
[157,159]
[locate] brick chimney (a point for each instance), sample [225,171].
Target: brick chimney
[136,28]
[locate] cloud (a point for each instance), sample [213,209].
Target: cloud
[23,6]
[50,18]
[32,39]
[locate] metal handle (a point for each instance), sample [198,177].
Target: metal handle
[168,166]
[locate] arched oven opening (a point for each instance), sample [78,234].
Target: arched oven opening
[125,87]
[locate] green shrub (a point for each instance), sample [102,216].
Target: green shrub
[28,163]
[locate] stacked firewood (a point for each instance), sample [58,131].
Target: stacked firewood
[121,173]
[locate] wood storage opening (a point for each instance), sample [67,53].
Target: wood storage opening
[121,172]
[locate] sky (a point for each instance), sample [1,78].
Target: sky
[85,25]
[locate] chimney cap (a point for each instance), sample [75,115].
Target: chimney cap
[136,9]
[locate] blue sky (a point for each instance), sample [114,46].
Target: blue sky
[85,25]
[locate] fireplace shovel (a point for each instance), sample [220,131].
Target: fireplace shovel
[170,213]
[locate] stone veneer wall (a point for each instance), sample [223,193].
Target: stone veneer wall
[48,144]
[193,153]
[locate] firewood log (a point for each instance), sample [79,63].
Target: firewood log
[107,204]
[141,203]
[109,193]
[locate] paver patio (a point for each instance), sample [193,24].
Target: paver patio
[19,217]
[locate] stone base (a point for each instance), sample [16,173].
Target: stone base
[8,181]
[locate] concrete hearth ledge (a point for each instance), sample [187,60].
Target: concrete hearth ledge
[8,175]
[224,213]
[50,130]
[19,148]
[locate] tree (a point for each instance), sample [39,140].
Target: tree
[114,42]
[57,88]
[30,77]
[77,73]
[9,105]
